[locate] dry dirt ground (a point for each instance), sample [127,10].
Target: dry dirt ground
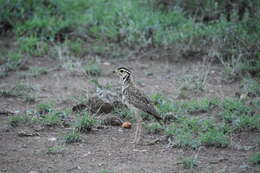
[110,149]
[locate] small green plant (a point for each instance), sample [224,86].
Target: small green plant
[214,137]
[93,68]
[200,106]
[154,128]
[14,60]
[32,45]
[19,119]
[72,137]
[100,49]
[85,123]
[163,104]
[194,81]
[182,136]
[76,47]
[52,118]
[189,163]
[57,149]
[255,158]
[124,113]
[186,139]
[239,115]
[45,107]
[251,86]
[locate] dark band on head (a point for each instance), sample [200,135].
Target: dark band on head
[123,68]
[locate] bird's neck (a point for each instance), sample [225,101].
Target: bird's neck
[127,81]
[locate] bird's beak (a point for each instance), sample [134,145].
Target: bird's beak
[113,71]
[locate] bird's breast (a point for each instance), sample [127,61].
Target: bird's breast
[124,95]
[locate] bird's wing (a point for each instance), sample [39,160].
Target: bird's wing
[142,102]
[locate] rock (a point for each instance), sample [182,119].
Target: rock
[52,139]
[33,172]
[107,63]
[27,134]
[2,61]
[24,67]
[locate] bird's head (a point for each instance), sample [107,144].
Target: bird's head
[123,73]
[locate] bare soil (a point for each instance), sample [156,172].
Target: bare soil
[110,148]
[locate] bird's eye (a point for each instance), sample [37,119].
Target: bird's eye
[121,71]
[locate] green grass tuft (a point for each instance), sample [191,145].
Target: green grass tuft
[214,137]
[14,60]
[93,68]
[85,123]
[18,120]
[57,149]
[45,107]
[52,118]
[189,163]
[72,137]
[255,158]
[154,128]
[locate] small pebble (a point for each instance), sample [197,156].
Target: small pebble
[52,139]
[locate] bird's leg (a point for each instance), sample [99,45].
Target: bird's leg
[138,130]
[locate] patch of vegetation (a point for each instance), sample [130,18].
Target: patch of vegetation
[93,68]
[124,113]
[186,140]
[189,163]
[72,137]
[226,31]
[43,108]
[17,120]
[255,158]
[56,149]
[32,45]
[184,133]
[194,82]
[154,128]
[19,90]
[13,60]
[200,105]
[238,115]
[189,131]
[163,104]
[214,137]
[251,86]
[75,47]
[52,118]
[49,116]
[85,123]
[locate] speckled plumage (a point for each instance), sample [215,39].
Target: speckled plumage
[138,99]
[135,99]
[133,96]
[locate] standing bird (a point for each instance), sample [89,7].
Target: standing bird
[135,100]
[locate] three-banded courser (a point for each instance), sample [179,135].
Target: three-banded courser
[135,99]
